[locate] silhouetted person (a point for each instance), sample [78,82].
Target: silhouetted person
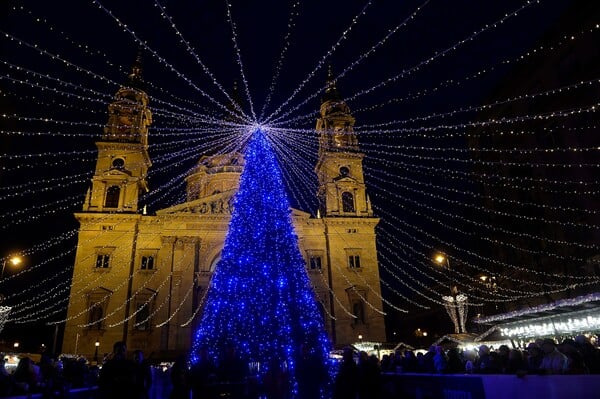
[232,368]
[591,355]
[345,386]
[428,365]
[575,362]
[516,362]
[553,361]
[368,376]
[24,376]
[180,379]
[455,363]
[409,363]
[534,358]
[277,381]
[143,376]
[50,382]
[487,363]
[440,360]
[117,377]
[6,381]
[311,373]
[503,352]
[203,375]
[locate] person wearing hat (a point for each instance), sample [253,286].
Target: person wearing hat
[553,362]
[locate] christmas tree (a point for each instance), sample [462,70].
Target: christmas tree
[260,299]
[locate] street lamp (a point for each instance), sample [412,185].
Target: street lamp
[97,344]
[13,260]
[16,346]
[455,303]
[441,259]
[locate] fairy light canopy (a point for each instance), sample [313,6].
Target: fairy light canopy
[499,180]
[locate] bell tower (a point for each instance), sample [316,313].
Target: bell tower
[123,160]
[339,168]
[350,268]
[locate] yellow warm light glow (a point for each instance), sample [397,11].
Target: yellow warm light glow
[15,260]
[439,258]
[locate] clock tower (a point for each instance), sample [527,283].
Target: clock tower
[339,169]
[123,160]
[355,301]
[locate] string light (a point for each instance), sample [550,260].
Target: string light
[398,150]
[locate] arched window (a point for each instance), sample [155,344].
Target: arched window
[358,310]
[142,316]
[112,197]
[96,314]
[347,202]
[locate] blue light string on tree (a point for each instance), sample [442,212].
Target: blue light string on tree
[261,299]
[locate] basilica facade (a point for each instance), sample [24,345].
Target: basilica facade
[142,277]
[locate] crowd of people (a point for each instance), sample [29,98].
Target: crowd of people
[231,377]
[51,377]
[544,356]
[357,375]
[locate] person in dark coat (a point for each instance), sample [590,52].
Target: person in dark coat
[534,358]
[311,373]
[25,377]
[143,376]
[6,382]
[203,375]
[455,363]
[591,355]
[232,368]
[180,379]
[369,376]
[345,385]
[117,377]
[428,365]
[276,381]
[516,362]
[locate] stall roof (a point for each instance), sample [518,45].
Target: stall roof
[470,341]
[586,302]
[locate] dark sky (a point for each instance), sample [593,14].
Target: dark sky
[84,35]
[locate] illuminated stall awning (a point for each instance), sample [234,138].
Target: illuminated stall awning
[565,317]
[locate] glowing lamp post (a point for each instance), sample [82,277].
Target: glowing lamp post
[5,310]
[455,303]
[96,344]
[13,260]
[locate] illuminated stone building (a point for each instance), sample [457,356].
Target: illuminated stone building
[142,277]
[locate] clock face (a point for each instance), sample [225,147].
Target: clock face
[118,163]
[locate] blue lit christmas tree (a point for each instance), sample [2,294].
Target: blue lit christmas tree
[261,300]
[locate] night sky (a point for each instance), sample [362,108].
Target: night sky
[447,55]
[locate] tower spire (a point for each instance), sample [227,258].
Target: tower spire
[331,91]
[134,79]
